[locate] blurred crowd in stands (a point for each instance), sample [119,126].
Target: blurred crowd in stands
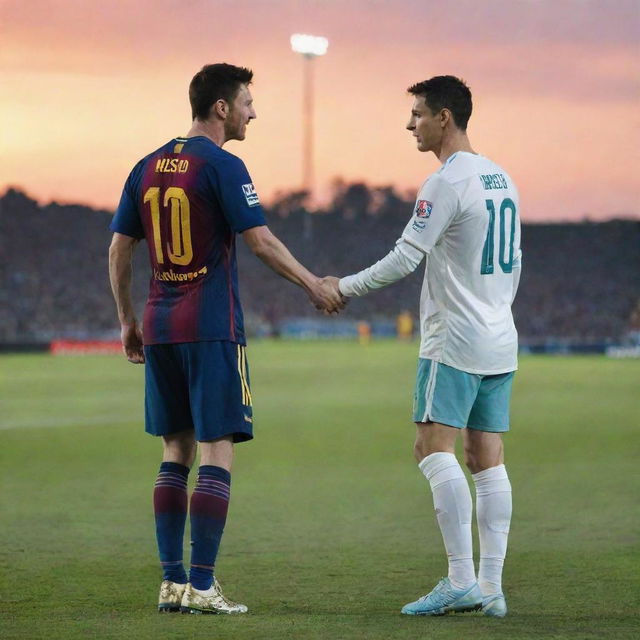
[580,281]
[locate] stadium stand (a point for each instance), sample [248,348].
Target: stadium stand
[581,281]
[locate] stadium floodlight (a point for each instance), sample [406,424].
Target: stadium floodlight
[310,47]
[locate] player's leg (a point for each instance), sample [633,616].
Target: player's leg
[439,411]
[221,409]
[484,454]
[493,514]
[434,450]
[209,506]
[167,415]
[482,449]
[458,592]
[170,503]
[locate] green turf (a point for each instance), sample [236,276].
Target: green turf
[331,527]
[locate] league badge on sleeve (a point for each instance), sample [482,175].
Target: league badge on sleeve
[250,194]
[423,208]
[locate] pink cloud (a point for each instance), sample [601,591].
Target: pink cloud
[555,87]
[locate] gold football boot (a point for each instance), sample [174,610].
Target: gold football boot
[170,596]
[210,601]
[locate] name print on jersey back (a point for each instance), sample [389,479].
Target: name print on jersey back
[171,165]
[494,181]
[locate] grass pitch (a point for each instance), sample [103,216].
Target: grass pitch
[331,527]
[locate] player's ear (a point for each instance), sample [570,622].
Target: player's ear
[445,117]
[221,108]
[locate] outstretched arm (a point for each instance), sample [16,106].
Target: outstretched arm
[276,255]
[120,275]
[435,208]
[398,263]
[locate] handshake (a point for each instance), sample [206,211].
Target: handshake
[325,295]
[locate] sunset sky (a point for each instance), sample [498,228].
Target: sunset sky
[88,87]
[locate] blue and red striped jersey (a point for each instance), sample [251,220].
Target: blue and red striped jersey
[189,199]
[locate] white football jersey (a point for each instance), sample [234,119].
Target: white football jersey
[466,221]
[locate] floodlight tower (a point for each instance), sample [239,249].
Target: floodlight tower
[310,47]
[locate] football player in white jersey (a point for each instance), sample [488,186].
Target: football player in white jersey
[466,226]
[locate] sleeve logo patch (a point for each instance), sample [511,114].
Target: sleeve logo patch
[250,194]
[423,208]
[419,225]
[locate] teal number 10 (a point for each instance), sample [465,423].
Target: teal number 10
[507,211]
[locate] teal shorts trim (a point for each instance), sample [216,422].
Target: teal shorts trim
[460,399]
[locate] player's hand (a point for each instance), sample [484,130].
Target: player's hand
[327,296]
[131,337]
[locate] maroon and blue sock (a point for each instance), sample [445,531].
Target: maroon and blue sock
[170,507]
[209,505]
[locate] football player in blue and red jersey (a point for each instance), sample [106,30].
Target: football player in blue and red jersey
[188,200]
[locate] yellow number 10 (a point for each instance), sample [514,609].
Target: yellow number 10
[180,249]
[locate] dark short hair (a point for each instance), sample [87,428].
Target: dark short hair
[214,82]
[446,92]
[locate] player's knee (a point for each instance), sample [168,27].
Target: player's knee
[472,463]
[423,447]
[181,449]
[190,454]
[471,459]
[478,461]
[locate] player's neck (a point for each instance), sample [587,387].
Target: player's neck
[452,143]
[212,130]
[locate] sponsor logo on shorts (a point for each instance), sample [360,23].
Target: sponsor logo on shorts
[250,194]
[423,208]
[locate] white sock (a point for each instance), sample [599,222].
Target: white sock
[452,502]
[493,510]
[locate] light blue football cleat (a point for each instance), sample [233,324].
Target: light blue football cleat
[494,606]
[445,599]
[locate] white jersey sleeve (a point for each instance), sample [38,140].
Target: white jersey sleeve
[436,206]
[402,260]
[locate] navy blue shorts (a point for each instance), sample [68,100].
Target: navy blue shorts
[198,385]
